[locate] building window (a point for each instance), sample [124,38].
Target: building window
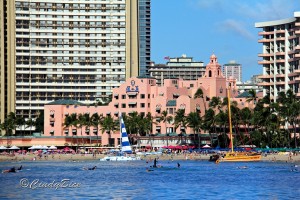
[142,96]
[123,105]
[123,96]
[142,105]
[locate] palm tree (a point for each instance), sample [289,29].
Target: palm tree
[9,125]
[209,123]
[180,120]
[81,121]
[165,118]
[109,125]
[71,121]
[215,102]
[252,96]
[39,122]
[194,122]
[199,94]
[29,124]
[96,121]
[20,122]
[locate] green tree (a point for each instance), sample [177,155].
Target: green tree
[194,122]
[109,125]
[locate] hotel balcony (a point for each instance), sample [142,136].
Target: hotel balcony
[280,75]
[280,53]
[266,76]
[266,33]
[280,39]
[265,40]
[297,55]
[298,94]
[265,54]
[297,24]
[262,62]
[265,84]
[280,83]
[297,79]
[297,32]
[280,61]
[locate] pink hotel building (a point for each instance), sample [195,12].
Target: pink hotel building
[143,95]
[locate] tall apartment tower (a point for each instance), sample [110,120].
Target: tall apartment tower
[77,49]
[280,55]
[234,70]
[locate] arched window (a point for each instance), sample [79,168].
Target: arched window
[209,73]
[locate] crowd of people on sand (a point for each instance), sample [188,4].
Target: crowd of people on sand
[165,155]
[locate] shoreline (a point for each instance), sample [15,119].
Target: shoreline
[90,157]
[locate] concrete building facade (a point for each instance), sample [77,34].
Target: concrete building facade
[233,69]
[179,67]
[280,55]
[77,49]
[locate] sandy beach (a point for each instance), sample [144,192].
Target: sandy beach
[192,156]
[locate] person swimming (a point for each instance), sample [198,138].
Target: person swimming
[149,170]
[90,168]
[242,167]
[178,165]
[20,168]
[11,170]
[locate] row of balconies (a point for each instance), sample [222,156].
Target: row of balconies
[75,43]
[70,61]
[76,26]
[75,7]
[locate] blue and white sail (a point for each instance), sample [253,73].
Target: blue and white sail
[124,138]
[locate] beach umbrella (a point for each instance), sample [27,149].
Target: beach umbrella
[52,147]
[14,148]
[206,146]
[44,147]
[3,148]
[33,147]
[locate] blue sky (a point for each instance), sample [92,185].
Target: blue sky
[199,28]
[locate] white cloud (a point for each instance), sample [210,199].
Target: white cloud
[236,27]
[266,10]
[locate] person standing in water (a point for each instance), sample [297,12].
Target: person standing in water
[155,161]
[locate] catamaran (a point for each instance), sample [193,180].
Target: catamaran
[232,156]
[126,151]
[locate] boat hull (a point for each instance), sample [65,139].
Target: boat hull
[119,158]
[236,157]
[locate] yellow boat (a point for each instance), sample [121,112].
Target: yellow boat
[235,156]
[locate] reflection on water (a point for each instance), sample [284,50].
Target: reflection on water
[130,180]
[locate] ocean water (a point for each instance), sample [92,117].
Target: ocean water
[130,180]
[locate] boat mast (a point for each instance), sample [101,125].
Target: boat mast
[120,124]
[229,113]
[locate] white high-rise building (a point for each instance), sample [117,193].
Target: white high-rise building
[75,49]
[280,56]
